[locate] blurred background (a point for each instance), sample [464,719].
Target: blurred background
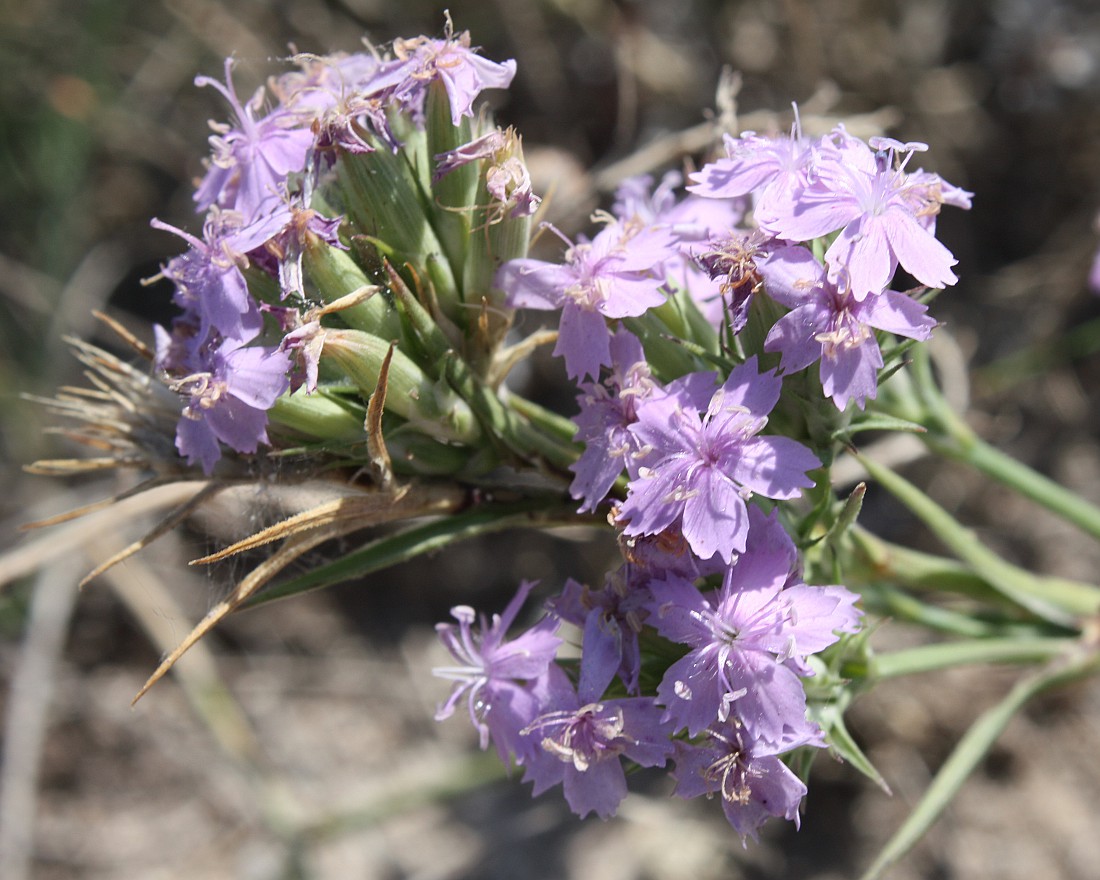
[298,740]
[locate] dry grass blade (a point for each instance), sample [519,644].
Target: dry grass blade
[351,514]
[85,509]
[296,546]
[381,466]
[304,532]
[136,344]
[173,519]
[23,560]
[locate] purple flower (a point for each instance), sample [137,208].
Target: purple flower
[609,277]
[582,741]
[703,466]
[753,783]
[691,221]
[607,412]
[771,169]
[501,680]
[611,619]
[228,400]
[828,323]
[748,641]
[871,203]
[209,283]
[250,162]
[462,71]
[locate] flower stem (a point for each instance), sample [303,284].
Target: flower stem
[948,435]
[928,658]
[1062,605]
[974,745]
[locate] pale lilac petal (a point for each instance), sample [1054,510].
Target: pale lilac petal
[790,275]
[748,388]
[534,284]
[583,341]
[862,251]
[601,654]
[921,254]
[852,374]
[897,313]
[715,519]
[773,703]
[812,219]
[600,789]
[795,337]
[775,467]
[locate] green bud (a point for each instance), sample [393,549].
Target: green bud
[431,407]
[453,193]
[317,416]
[385,202]
[333,274]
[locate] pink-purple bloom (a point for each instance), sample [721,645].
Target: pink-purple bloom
[463,72]
[692,221]
[828,323]
[753,783]
[867,197]
[608,409]
[228,395]
[499,679]
[749,640]
[210,286]
[251,161]
[583,740]
[610,619]
[610,276]
[705,458]
[771,169]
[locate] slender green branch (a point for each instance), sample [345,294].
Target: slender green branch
[962,444]
[970,750]
[1064,606]
[928,658]
[948,435]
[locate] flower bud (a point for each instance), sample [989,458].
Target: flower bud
[432,407]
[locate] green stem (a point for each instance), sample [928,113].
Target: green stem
[886,601]
[928,658]
[964,445]
[544,419]
[876,560]
[518,434]
[972,748]
[1062,606]
[948,435]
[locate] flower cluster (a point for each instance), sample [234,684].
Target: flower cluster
[696,650]
[270,205]
[722,713]
[363,250]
